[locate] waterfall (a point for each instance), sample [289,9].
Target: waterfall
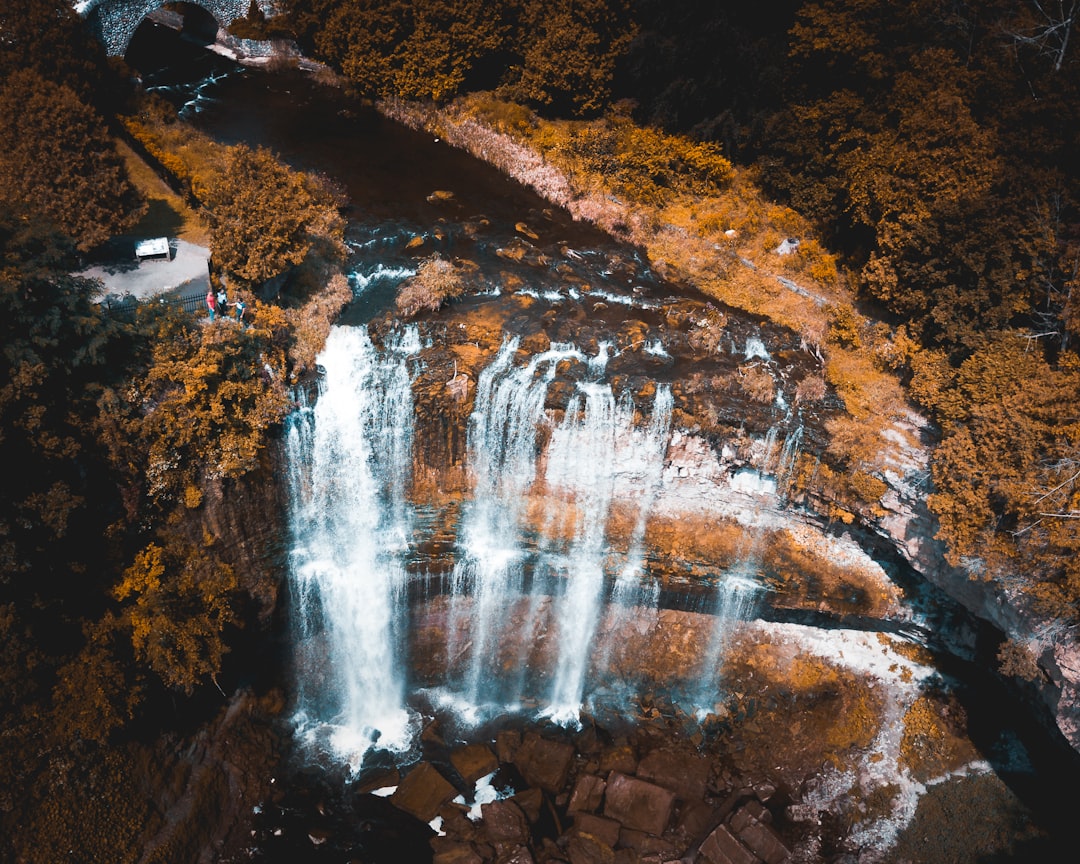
[526,578]
[502,444]
[580,470]
[350,523]
[550,544]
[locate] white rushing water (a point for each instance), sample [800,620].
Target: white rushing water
[550,543]
[351,460]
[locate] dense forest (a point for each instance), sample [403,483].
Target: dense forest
[931,142]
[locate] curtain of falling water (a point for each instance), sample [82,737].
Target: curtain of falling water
[350,530]
[488,576]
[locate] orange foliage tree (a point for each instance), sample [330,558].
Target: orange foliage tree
[59,162]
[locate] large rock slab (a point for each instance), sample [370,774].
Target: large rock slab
[685,774]
[603,829]
[474,762]
[588,794]
[423,792]
[543,762]
[722,847]
[504,822]
[638,805]
[750,824]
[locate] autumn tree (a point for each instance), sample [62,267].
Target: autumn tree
[175,604]
[913,139]
[1007,474]
[199,411]
[59,161]
[569,50]
[265,217]
[57,353]
[48,37]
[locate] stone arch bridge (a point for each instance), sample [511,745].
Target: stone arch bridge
[114,22]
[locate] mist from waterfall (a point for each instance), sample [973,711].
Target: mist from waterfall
[351,458]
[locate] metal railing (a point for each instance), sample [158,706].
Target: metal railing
[124,306]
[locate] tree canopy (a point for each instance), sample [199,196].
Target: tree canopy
[264,217]
[59,161]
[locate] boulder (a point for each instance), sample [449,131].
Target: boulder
[584,848]
[685,774]
[474,762]
[722,847]
[621,758]
[638,805]
[648,845]
[456,823]
[543,762]
[504,822]
[514,855]
[530,801]
[604,830]
[750,825]
[588,794]
[457,853]
[697,820]
[423,792]
[506,745]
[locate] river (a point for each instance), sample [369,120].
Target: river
[412,195]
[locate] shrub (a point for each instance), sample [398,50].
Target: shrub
[436,281]
[757,383]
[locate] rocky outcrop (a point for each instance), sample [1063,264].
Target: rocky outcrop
[668,802]
[205,788]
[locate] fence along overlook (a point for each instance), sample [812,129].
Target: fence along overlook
[114,22]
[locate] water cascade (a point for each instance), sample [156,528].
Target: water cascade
[535,559]
[350,534]
[502,457]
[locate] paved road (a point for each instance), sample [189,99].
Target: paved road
[186,273]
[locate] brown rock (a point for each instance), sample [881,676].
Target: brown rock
[587,795]
[378,781]
[586,849]
[456,823]
[750,812]
[506,745]
[514,855]
[697,820]
[504,822]
[604,830]
[474,762]
[721,847]
[638,805]
[648,844]
[764,842]
[587,742]
[543,762]
[530,801]
[423,791]
[458,853]
[620,758]
[685,774]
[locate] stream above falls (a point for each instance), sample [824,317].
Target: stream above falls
[553,502]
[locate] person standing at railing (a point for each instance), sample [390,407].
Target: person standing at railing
[211,303]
